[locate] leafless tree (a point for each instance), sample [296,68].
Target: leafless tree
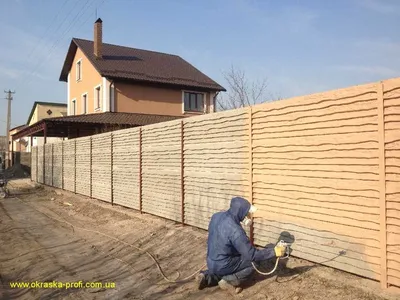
[242,92]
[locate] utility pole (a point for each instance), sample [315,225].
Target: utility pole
[8,98]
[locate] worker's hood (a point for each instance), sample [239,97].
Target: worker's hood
[239,208]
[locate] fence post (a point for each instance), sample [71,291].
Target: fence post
[251,170]
[52,164]
[75,166]
[112,187]
[62,165]
[37,163]
[382,184]
[44,164]
[140,170]
[31,161]
[182,177]
[90,167]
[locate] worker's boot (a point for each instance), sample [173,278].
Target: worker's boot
[201,281]
[226,286]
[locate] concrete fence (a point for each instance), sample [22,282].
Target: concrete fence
[324,168]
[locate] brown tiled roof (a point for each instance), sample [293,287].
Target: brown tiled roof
[138,65]
[114,118]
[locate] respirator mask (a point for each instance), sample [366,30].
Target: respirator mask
[247,221]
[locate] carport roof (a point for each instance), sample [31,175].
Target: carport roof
[58,127]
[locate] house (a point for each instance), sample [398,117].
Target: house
[40,111]
[112,87]
[17,145]
[110,78]
[44,110]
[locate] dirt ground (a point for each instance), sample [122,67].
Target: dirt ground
[36,247]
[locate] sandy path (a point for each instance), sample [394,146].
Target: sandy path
[36,247]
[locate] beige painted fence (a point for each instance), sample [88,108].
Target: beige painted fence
[324,168]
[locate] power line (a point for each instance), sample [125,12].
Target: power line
[41,39]
[97,7]
[53,47]
[57,42]
[77,16]
[25,72]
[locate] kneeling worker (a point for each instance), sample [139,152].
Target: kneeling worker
[229,251]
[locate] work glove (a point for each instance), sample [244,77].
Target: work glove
[280,251]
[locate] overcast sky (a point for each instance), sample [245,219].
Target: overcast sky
[300,46]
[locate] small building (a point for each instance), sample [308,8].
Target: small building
[40,111]
[17,145]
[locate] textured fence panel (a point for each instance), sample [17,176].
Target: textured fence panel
[34,161]
[216,163]
[25,160]
[323,170]
[40,165]
[126,167]
[392,154]
[161,167]
[69,165]
[83,176]
[48,148]
[57,165]
[101,167]
[316,176]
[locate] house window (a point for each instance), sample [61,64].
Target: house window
[73,107]
[97,97]
[79,70]
[84,103]
[193,101]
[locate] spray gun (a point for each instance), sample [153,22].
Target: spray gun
[283,244]
[287,245]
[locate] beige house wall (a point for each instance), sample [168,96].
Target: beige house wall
[34,117]
[40,112]
[90,79]
[155,100]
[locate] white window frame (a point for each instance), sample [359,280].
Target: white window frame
[83,104]
[80,63]
[194,111]
[73,108]
[95,100]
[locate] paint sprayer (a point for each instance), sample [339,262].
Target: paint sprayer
[282,244]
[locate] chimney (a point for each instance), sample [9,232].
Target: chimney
[98,38]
